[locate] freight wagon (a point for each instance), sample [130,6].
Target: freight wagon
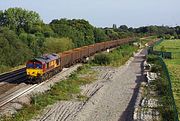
[44,67]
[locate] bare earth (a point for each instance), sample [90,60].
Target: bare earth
[111,98]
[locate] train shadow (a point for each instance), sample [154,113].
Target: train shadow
[128,113]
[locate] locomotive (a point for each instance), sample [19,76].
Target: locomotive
[41,68]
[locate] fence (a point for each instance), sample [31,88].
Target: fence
[176,55]
[167,80]
[166,55]
[159,53]
[170,103]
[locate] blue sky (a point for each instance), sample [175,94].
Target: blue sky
[104,13]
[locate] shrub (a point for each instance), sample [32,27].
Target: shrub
[156,68]
[102,59]
[152,58]
[4,68]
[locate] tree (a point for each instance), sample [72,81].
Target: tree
[19,19]
[13,51]
[56,45]
[80,31]
[84,27]
[123,28]
[100,35]
[112,34]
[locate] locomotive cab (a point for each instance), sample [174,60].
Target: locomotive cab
[34,68]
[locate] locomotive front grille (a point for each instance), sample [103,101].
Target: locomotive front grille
[34,72]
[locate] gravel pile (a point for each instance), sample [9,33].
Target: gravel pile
[147,107]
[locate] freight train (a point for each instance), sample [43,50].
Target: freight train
[44,67]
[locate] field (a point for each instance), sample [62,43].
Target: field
[173,66]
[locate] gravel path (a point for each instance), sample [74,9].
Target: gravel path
[111,98]
[116,100]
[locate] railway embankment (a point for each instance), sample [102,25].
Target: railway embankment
[72,96]
[157,102]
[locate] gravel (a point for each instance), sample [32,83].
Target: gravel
[115,100]
[111,98]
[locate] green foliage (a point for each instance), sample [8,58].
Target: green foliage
[151,58]
[56,45]
[80,31]
[115,58]
[100,35]
[31,34]
[163,49]
[13,51]
[173,67]
[101,59]
[123,28]
[36,38]
[19,20]
[120,55]
[112,34]
[156,68]
[4,68]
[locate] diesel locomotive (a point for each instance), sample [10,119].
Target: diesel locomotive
[41,68]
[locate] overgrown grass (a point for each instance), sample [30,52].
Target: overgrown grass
[162,87]
[147,39]
[5,69]
[64,90]
[173,66]
[117,57]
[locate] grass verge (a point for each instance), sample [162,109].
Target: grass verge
[173,66]
[116,57]
[162,87]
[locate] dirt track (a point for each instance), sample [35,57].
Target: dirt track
[112,96]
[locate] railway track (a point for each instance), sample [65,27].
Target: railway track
[19,90]
[14,75]
[11,80]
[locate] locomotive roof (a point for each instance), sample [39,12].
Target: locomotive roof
[47,58]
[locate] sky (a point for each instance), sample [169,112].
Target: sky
[104,13]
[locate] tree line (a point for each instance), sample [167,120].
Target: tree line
[24,35]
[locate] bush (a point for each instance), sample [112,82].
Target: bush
[156,68]
[151,58]
[56,45]
[4,68]
[102,59]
